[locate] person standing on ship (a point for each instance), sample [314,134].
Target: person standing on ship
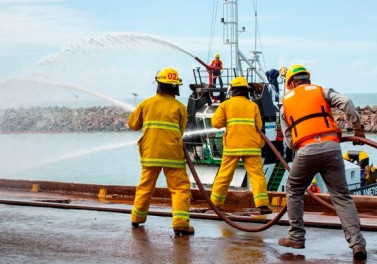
[310,129]
[241,140]
[217,66]
[314,188]
[163,119]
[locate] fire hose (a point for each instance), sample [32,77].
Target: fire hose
[284,209]
[219,212]
[345,139]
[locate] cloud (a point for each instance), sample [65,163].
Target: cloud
[293,43]
[42,30]
[33,24]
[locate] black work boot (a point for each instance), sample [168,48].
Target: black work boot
[265,210]
[287,242]
[359,252]
[184,230]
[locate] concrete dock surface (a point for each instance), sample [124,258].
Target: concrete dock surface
[31,234]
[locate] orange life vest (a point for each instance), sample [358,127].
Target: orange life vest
[315,189]
[279,134]
[217,64]
[309,115]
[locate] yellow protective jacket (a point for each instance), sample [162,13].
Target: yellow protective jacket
[309,118]
[163,119]
[242,118]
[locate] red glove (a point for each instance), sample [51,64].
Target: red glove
[359,132]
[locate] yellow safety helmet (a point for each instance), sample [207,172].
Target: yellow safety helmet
[238,82]
[346,156]
[294,70]
[314,181]
[363,155]
[217,55]
[169,76]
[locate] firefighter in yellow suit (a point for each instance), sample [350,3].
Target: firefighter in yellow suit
[163,119]
[241,140]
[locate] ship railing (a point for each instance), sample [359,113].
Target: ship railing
[201,76]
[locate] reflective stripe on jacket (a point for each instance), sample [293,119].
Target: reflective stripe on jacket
[241,117]
[163,119]
[310,119]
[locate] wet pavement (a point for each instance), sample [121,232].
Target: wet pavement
[49,235]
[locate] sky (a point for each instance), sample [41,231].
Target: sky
[115,47]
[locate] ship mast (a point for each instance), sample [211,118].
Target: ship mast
[231,32]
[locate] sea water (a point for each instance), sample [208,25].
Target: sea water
[96,158]
[363,99]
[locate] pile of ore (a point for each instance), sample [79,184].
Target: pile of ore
[63,119]
[368,118]
[111,118]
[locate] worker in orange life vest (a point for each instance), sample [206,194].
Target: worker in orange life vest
[217,66]
[310,129]
[314,188]
[279,140]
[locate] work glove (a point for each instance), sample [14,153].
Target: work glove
[359,132]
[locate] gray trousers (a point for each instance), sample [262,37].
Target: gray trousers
[331,167]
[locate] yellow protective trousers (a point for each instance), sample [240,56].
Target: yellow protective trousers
[254,168]
[179,186]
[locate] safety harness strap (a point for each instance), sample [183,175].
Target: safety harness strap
[323,114]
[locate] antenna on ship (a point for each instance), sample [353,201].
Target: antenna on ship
[135,95]
[255,53]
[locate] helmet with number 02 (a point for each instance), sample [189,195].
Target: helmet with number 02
[169,76]
[295,70]
[238,82]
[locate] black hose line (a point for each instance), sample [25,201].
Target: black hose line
[359,139]
[344,139]
[286,166]
[220,213]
